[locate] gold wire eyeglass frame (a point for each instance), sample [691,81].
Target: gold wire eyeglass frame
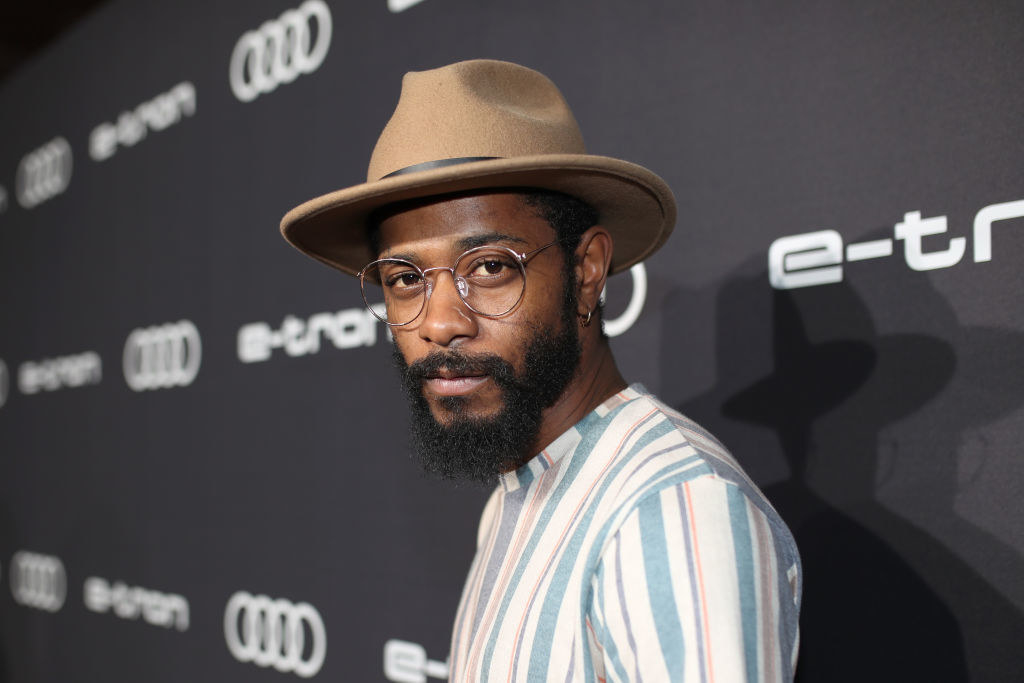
[462,286]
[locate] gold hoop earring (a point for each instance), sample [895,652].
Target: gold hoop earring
[585,320]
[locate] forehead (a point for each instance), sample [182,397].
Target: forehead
[447,224]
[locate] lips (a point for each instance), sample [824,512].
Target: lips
[453,374]
[446,383]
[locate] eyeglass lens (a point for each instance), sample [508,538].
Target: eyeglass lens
[490,280]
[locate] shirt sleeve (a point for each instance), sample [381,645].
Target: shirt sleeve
[694,587]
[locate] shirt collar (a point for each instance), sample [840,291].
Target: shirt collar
[566,443]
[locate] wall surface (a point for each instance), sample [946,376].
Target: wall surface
[199,429]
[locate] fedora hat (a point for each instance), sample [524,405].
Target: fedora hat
[476,125]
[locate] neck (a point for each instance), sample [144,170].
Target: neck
[596,379]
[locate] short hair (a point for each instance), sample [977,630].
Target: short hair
[570,217]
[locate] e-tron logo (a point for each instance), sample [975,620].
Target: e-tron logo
[162,356]
[280,50]
[815,258]
[38,580]
[406,662]
[44,173]
[277,633]
[347,329]
[52,374]
[159,609]
[162,111]
[396,6]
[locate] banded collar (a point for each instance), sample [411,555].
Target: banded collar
[566,443]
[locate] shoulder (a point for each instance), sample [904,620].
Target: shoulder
[662,455]
[648,445]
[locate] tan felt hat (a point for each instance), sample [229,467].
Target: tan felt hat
[477,125]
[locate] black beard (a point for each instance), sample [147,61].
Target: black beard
[478,449]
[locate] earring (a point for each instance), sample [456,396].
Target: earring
[585,320]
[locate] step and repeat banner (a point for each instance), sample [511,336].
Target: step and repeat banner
[204,471]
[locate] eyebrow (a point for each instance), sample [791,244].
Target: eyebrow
[487,238]
[466,243]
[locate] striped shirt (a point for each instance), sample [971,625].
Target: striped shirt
[633,548]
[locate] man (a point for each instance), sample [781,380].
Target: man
[623,542]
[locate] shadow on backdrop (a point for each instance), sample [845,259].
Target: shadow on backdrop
[883,599]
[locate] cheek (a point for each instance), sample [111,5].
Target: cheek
[405,346]
[545,294]
[541,311]
[510,339]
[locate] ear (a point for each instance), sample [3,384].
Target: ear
[593,260]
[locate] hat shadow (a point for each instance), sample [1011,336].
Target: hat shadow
[881,594]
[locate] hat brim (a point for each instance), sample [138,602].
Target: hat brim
[634,205]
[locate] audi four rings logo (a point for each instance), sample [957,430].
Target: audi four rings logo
[280,50]
[616,326]
[162,356]
[267,632]
[43,173]
[38,580]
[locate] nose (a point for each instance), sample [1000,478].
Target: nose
[446,319]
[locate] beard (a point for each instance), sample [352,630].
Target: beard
[471,448]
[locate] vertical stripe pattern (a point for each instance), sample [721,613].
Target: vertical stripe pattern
[633,548]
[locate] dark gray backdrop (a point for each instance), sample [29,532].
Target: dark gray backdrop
[882,411]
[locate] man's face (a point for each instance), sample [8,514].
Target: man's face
[478,385]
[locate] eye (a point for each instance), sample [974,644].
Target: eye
[490,266]
[405,279]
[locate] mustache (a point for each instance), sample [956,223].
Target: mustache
[457,362]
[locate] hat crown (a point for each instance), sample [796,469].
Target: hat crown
[478,108]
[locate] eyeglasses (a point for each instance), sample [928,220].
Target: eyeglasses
[490,280]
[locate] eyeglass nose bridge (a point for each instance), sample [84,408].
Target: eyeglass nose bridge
[461,286]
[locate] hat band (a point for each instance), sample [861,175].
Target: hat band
[440,163]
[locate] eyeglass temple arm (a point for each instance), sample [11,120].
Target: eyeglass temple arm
[529,254]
